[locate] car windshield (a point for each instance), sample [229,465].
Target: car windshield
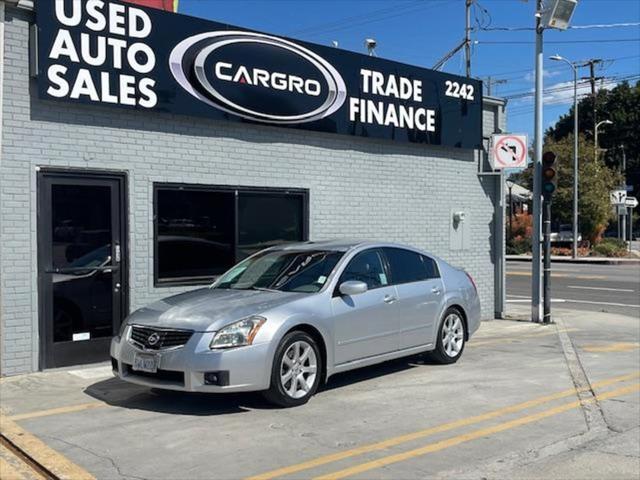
[282,270]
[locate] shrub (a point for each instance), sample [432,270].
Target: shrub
[519,245]
[568,251]
[610,247]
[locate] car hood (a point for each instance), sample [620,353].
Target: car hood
[208,309]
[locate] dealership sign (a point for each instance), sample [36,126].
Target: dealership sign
[112,53]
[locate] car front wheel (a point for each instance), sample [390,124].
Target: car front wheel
[296,371]
[451,338]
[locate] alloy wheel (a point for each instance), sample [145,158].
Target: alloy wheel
[452,335]
[298,369]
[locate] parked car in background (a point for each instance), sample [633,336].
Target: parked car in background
[564,234]
[287,318]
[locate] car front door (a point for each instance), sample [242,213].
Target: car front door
[364,324]
[420,295]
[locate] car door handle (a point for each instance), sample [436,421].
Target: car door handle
[436,290]
[389,299]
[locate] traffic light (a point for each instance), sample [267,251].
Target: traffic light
[549,174]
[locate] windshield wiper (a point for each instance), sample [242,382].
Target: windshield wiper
[263,289]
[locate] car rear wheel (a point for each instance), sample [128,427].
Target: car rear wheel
[451,338]
[296,371]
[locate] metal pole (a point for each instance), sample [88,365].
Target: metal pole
[537,167]
[467,37]
[624,224]
[574,250]
[595,143]
[630,227]
[547,262]
[510,215]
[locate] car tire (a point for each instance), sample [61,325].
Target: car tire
[452,335]
[296,371]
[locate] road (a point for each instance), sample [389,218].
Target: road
[601,288]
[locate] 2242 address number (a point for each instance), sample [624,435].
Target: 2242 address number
[454,89]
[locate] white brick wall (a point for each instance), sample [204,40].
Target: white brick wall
[360,188]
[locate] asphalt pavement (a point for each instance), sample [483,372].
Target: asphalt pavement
[526,401]
[599,288]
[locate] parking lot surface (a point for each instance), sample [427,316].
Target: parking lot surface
[515,406]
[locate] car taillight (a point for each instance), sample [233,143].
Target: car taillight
[475,287]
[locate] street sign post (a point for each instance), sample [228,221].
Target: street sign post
[618,197]
[508,151]
[631,202]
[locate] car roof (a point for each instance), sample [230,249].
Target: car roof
[340,245]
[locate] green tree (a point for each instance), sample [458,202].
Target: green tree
[621,105]
[595,181]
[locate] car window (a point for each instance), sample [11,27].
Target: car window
[407,266]
[366,267]
[431,266]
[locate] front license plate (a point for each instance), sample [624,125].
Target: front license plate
[144,362]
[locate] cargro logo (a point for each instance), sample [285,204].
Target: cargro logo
[258,77]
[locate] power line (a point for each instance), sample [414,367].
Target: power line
[569,86]
[573,27]
[377,16]
[550,69]
[611,40]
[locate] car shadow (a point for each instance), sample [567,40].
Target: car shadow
[118,393]
[376,371]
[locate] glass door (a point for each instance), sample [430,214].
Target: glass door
[81,266]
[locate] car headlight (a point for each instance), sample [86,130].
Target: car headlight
[123,328]
[238,334]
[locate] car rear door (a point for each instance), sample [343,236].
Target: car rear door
[420,295]
[364,324]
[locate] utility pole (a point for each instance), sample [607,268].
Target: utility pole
[624,182]
[467,36]
[592,80]
[537,171]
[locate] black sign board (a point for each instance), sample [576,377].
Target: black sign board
[113,53]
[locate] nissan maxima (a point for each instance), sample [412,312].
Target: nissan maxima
[287,318]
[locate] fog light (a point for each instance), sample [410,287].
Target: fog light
[220,378]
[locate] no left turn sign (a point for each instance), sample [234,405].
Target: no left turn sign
[509,151]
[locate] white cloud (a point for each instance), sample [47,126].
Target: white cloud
[562,93]
[531,76]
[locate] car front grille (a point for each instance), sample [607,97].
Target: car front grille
[157,339]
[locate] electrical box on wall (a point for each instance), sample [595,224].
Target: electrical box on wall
[459,229]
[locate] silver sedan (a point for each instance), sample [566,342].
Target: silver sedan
[287,318]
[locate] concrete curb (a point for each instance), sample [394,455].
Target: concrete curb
[46,460]
[583,260]
[588,400]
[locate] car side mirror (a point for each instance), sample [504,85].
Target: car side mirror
[352,287]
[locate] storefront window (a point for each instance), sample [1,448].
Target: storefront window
[267,219]
[202,231]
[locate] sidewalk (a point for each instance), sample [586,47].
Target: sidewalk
[584,260]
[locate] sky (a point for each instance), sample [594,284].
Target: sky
[420,32]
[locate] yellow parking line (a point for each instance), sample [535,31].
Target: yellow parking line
[57,411]
[8,472]
[612,347]
[38,451]
[466,437]
[391,442]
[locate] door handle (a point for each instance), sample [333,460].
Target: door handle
[117,289]
[436,290]
[389,299]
